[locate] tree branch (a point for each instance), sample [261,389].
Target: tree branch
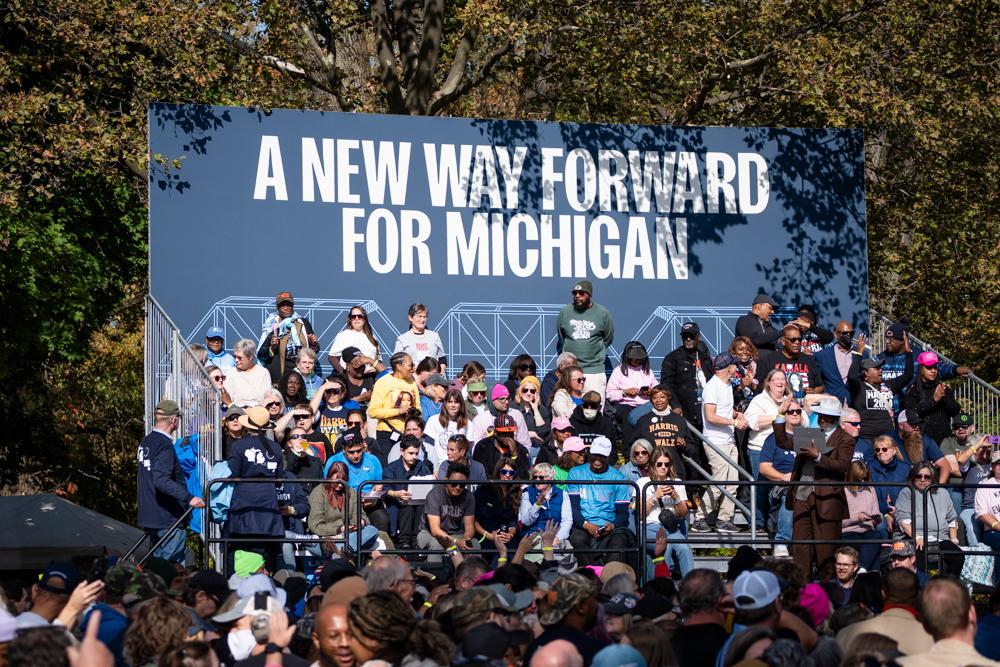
[441,101]
[406,36]
[386,58]
[458,65]
[422,85]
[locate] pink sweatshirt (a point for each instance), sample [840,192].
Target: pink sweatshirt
[634,380]
[862,500]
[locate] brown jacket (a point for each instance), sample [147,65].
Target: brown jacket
[831,502]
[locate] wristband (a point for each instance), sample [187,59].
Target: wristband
[548,548]
[427,605]
[452,548]
[502,559]
[657,560]
[273,648]
[481,539]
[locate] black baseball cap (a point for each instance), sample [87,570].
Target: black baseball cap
[690,329]
[60,578]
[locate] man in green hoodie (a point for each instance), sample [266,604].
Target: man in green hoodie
[586,329]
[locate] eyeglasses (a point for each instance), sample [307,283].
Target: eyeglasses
[846,564]
[502,398]
[592,406]
[922,475]
[578,380]
[662,464]
[793,340]
[797,411]
[854,424]
[272,404]
[529,390]
[477,393]
[350,423]
[507,472]
[357,316]
[848,332]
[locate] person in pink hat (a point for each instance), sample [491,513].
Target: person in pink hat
[933,400]
[574,453]
[499,404]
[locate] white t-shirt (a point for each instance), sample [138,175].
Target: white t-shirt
[719,393]
[441,434]
[351,338]
[419,346]
[654,514]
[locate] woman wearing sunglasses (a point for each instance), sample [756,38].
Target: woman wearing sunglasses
[520,367]
[568,392]
[941,519]
[497,507]
[665,506]
[537,417]
[543,501]
[357,332]
[329,401]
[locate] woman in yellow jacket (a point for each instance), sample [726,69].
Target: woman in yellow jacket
[394,396]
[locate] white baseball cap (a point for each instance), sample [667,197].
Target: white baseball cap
[601,445]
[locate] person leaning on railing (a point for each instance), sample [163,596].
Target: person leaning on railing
[942,519]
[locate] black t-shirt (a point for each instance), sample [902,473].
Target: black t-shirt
[802,373]
[668,430]
[486,453]
[353,391]
[331,420]
[322,444]
[586,645]
[697,645]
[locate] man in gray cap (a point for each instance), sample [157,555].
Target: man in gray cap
[756,325]
[586,329]
[162,491]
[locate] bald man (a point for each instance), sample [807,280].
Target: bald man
[799,367]
[558,653]
[840,362]
[331,637]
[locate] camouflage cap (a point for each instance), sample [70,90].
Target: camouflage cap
[118,577]
[472,604]
[565,593]
[143,586]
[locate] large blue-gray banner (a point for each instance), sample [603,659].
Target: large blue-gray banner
[490,223]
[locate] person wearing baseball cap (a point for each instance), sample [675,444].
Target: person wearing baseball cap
[574,453]
[987,504]
[49,596]
[215,341]
[500,403]
[284,333]
[551,450]
[600,512]
[933,399]
[720,423]
[873,396]
[568,611]
[685,371]
[959,448]
[163,496]
[501,442]
[589,421]
[756,325]
[586,329]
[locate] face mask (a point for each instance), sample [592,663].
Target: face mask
[589,413]
[845,340]
[241,643]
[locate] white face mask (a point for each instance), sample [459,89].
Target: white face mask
[241,643]
[589,413]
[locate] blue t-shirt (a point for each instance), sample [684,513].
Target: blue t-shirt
[783,460]
[988,636]
[597,501]
[369,468]
[111,632]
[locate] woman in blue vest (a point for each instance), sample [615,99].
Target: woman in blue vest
[543,501]
[254,511]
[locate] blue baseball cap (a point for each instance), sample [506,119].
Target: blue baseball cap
[618,655]
[215,332]
[724,360]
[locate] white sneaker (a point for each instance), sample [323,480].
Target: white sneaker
[780,551]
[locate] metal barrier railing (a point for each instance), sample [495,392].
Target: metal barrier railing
[172,371]
[977,397]
[935,545]
[741,472]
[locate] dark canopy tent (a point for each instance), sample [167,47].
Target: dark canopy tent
[37,529]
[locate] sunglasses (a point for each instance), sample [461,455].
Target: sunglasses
[884,449]
[795,412]
[357,316]
[592,406]
[232,418]
[295,437]
[301,415]
[477,393]
[640,452]
[793,340]
[854,424]
[507,472]
[355,423]
[576,291]
[502,398]
[688,336]
[922,475]
[335,391]
[272,404]
[529,390]
[663,464]
[959,428]
[540,477]
[849,332]
[578,380]
[526,367]
[218,378]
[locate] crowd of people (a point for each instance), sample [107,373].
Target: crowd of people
[565,506]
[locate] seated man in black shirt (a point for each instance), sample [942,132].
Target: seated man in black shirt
[500,443]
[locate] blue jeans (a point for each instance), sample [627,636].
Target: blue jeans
[973,527]
[783,533]
[680,552]
[957,495]
[172,548]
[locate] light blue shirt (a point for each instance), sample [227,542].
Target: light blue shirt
[222,360]
[368,469]
[597,501]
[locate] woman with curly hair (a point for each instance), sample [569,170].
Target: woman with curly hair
[158,625]
[383,628]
